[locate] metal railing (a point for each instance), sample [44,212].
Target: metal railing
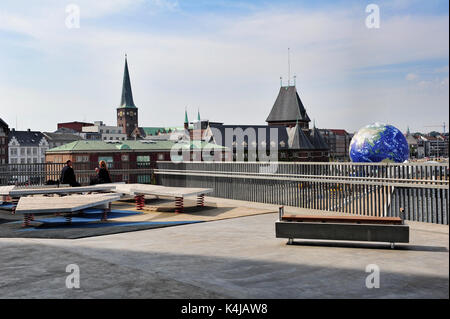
[43,173]
[362,189]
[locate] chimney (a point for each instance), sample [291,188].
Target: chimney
[28,130]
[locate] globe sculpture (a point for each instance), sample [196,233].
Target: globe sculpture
[379,143]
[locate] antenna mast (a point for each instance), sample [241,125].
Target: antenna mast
[289,66]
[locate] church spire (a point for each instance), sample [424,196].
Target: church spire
[127,94]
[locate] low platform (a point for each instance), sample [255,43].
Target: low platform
[19,192]
[68,205]
[344,228]
[179,193]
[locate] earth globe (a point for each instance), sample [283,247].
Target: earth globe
[379,142]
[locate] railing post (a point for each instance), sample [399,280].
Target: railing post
[280,213]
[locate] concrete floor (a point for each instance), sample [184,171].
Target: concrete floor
[232,258]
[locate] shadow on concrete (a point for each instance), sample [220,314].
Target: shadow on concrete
[368,245]
[122,273]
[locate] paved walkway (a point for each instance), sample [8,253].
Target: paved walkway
[237,258]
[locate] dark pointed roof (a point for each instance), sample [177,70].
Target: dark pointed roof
[26,138]
[127,94]
[3,123]
[288,107]
[317,140]
[298,139]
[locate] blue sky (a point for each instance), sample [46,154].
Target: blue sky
[224,58]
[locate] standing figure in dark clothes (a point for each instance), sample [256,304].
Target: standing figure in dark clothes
[68,175]
[103,176]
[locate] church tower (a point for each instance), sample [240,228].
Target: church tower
[127,112]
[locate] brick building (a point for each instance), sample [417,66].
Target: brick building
[75,126]
[339,142]
[4,132]
[129,155]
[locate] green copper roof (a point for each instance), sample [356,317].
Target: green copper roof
[139,145]
[154,130]
[186,117]
[201,145]
[79,146]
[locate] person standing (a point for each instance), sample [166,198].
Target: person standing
[68,175]
[103,176]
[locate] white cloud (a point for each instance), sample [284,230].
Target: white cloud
[412,77]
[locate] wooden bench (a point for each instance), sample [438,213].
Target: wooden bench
[345,228]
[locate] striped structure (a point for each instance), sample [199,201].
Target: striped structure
[422,190]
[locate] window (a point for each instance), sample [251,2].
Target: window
[144,179]
[160,157]
[125,158]
[82,158]
[108,159]
[143,158]
[22,151]
[35,151]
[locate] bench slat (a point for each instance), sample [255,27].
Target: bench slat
[344,219]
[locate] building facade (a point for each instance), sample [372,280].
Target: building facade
[75,126]
[287,137]
[4,132]
[107,133]
[432,146]
[338,141]
[27,147]
[58,139]
[129,155]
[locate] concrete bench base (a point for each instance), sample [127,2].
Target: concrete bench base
[342,231]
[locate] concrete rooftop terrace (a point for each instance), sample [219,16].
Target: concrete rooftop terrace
[237,257]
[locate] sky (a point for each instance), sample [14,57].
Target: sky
[225,59]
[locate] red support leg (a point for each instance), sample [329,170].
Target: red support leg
[179,205]
[201,200]
[26,220]
[140,202]
[105,213]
